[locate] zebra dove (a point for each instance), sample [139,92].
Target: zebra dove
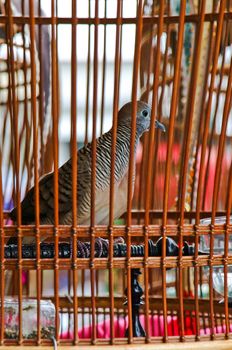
[103,169]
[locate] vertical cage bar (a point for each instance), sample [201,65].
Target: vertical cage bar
[214,119]
[189,112]
[149,62]
[149,164]
[138,38]
[12,93]
[93,170]
[112,173]
[35,157]
[120,49]
[2,258]
[196,226]
[3,141]
[222,137]
[145,96]
[217,178]
[164,76]
[208,109]
[227,231]
[184,165]
[26,103]
[55,156]
[169,154]
[103,73]
[82,294]
[229,196]
[41,88]
[159,109]
[88,78]
[74,165]
[203,102]
[96,295]
[203,153]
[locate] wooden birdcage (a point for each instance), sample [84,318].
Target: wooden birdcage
[87,59]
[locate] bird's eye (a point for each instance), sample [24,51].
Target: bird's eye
[145,113]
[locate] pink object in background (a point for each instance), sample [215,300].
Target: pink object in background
[156,328]
[24,277]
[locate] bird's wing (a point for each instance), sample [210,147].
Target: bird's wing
[46,191]
[28,203]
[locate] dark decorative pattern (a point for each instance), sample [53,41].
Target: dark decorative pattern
[47,250]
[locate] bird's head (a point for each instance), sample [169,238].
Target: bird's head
[143,117]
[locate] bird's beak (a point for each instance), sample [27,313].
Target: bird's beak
[160,126]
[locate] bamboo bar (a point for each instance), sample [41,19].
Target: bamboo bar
[203,151]
[227,106]
[159,111]
[205,90]
[41,86]
[55,156]
[112,174]
[215,115]
[74,167]
[103,73]
[149,167]
[186,143]
[167,19]
[88,80]
[168,160]
[131,160]
[35,157]
[17,155]
[2,258]
[25,71]
[93,171]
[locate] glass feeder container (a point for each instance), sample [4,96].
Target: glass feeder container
[29,318]
[218,249]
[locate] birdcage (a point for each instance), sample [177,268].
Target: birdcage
[160,272]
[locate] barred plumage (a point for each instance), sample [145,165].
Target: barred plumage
[103,170]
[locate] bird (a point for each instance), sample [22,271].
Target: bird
[103,173]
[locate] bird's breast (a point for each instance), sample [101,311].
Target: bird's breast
[102,203]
